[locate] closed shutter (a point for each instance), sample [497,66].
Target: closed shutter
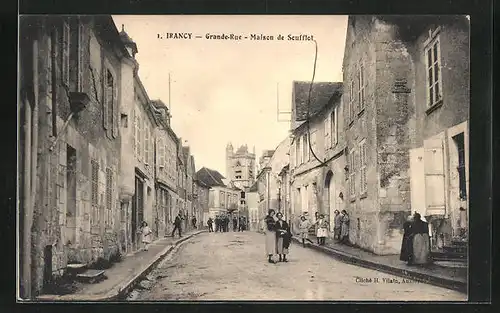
[139,138]
[80,57]
[116,117]
[146,144]
[105,108]
[334,125]
[313,144]
[135,134]
[161,152]
[417,179]
[327,133]
[65,53]
[434,176]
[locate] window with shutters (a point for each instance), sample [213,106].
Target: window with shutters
[433,62]
[139,138]
[462,180]
[298,152]
[161,153]
[80,49]
[333,127]
[134,136]
[305,149]
[222,199]
[352,174]
[328,142]
[313,144]
[362,167]
[361,89]
[109,197]
[351,107]
[50,66]
[434,176]
[95,191]
[110,98]
[146,143]
[65,47]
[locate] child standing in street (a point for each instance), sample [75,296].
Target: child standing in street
[146,235]
[304,230]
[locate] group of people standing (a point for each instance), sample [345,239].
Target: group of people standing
[278,236]
[416,246]
[322,227]
[222,223]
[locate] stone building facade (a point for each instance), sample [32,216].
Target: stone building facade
[166,169]
[317,186]
[70,76]
[201,202]
[398,122]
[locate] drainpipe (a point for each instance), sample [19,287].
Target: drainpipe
[34,121]
[26,270]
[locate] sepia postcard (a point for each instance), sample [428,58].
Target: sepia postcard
[243,158]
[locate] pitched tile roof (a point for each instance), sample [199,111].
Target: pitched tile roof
[210,177]
[321,94]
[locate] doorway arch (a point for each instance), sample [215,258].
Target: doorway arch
[329,196]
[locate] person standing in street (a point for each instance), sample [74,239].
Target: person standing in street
[421,242]
[322,232]
[337,225]
[344,230]
[146,235]
[282,237]
[406,254]
[193,221]
[210,225]
[217,223]
[235,223]
[304,227]
[227,223]
[270,232]
[240,223]
[177,225]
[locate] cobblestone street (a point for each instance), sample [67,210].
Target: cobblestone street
[233,266]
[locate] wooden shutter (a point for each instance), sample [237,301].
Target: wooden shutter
[327,133]
[116,113]
[417,180]
[105,92]
[134,137]
[146,143]
[434,176]
[334,126]
[80,50]
[65,53]
[313,144]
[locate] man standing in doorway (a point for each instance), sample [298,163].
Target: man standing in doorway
[177,225]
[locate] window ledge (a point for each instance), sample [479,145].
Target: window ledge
[353,199]
[363,195]
[434,107]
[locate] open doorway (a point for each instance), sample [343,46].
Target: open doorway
[329,198]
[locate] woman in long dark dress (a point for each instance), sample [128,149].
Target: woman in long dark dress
[407,244]
[421,241]
[270,232]
[282,237]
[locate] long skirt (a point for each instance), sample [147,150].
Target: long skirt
[279,247]
[421,249]
[270,242]
[322,232]
[336,232]
[406,249]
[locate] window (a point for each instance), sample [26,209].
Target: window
[352,173]
[298,152]
[94,191]
[305,151]
[161,152]
[146,143]
[135,135]
[79,66]
[65,53]
[433,62]
[223,199]
[351,101]
[334,127]
[462,180]
[109,99]
[109,197]
[49,65]
[361,90]
[327,133]
[362,167]
[138,138]
[313,145]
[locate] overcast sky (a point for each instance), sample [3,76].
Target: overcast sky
[225,91]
